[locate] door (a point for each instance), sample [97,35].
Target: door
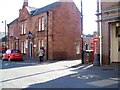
[118,35]
[31,49]
[118,49]
[113,44]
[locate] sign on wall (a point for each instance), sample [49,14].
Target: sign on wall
[95,44]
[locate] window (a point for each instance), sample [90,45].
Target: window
[39,24]
[118,32]
[23,47]
[78,49]
[11,32]
[12,45]
[23,28]
[38,45]
[42,43]
[16,45]
[43,24]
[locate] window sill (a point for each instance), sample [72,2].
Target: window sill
[11,36]
[23,53]
[22,34]
[41,31]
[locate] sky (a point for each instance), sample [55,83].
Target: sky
[10,10]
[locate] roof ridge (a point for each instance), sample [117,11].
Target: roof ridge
[44,8]
[35,12]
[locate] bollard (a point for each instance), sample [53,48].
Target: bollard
[96,60]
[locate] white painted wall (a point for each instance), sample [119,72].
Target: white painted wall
[114,45]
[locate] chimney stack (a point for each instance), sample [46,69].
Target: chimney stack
[25,3]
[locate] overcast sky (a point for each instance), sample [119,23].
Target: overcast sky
[9,10]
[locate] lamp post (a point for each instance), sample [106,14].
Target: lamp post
[5,31]
[82,32]
[98,40]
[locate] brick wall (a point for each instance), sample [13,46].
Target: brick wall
[66,31]
[63,32]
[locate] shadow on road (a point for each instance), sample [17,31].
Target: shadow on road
[15,64]
[85,77]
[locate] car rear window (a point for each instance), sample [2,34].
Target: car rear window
[15,51]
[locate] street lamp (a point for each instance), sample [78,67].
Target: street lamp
[30,35]
[82,32]
[5,32]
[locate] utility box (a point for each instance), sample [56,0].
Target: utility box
[89,56]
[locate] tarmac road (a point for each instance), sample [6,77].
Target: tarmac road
[62,74]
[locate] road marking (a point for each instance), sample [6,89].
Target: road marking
[6,64]
[117,79]
[89,76]
[88,66]
[102,83]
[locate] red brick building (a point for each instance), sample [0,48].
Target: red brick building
[110,31]
[56,27]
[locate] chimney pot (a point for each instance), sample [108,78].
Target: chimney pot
[25,3]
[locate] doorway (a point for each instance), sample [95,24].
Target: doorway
[119,49]
[115,43]
[31,49]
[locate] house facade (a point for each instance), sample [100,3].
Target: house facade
[110,31]
[55,27]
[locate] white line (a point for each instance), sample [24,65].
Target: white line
[88,66]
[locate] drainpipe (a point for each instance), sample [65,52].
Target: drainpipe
[100,33]
[47,36]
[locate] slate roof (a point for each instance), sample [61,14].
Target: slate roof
[44,9]
[34,12]
[14,21]
[4,39]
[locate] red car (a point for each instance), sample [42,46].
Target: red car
[12,55]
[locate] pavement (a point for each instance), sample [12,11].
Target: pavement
[59,74]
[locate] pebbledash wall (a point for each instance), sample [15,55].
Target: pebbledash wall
[110,26]
[29,31]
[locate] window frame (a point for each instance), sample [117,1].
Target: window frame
[23,28]
[42,23]
[11,32]
[42,43]
[23,47]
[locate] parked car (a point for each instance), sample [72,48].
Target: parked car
[12,55]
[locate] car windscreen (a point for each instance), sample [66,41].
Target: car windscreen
[15,51]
